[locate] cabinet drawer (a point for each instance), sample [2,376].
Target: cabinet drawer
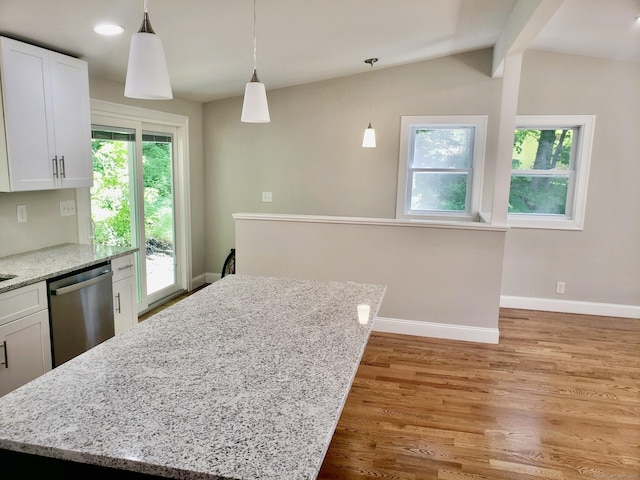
[22,301]
[123,267]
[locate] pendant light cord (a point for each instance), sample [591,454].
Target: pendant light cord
[370,94]
[370,61]
[145,6]
[255,43]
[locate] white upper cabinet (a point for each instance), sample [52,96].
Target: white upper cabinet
[47,119]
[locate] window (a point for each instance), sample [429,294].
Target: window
[550,167]
[440,167]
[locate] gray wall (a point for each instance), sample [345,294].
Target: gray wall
[310,157]
[430,272]
[44,227]
[602,262]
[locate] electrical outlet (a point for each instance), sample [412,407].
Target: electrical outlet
[267,197]
[560,288]
[67,208]
[22,213]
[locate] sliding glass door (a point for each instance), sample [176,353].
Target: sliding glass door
[133,201]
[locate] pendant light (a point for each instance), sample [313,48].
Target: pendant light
[254,106]
[147,74]
[369,139]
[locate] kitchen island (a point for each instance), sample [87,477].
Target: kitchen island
[244,379]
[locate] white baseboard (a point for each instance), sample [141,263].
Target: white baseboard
[571,306]
[198,281]
[212,277]
[436,330]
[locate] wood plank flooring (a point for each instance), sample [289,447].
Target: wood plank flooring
[558,398]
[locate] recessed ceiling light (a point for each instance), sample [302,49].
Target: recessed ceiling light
[108,29]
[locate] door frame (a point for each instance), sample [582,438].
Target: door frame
[102,111]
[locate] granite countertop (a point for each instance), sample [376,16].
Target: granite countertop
[245,379]
[37,265]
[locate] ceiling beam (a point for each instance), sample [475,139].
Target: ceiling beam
[527,19]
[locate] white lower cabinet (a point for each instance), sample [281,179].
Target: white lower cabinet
[25,345]
[125,303]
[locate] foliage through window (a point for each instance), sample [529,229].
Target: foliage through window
[440,166]
[111,197]
[549,171]
[542,169]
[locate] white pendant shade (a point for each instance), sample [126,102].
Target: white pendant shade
[147,74]
[369,139]
[254,107]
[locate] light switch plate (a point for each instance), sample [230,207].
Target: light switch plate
[267,197]
[22,213]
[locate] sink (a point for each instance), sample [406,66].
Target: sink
[4,277]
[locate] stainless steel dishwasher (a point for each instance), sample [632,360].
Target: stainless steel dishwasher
[80,312]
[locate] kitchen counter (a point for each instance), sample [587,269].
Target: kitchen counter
[245,379]
[46,263]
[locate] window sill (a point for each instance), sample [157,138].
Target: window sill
[542,223]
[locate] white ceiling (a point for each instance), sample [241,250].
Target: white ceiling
[209,43]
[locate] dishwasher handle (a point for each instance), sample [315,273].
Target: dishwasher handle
[86,283]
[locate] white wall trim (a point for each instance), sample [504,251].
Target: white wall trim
[212,277]
[198,281]
[140,114]
[392,222]
[436,330]
[571,306]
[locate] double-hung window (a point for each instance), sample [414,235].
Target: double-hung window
[550,169]
[440,167]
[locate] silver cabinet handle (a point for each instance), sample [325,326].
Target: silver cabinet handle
[6,356]
[63,174]
[118,309]
[78,286]
[54,160]
[125,267]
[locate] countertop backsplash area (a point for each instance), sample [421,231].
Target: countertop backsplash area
[44,226]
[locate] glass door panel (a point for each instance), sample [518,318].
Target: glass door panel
[159,222]
[112,196]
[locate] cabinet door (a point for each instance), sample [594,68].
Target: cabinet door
[26,91]
[25,350]
[125,313]
[71,120]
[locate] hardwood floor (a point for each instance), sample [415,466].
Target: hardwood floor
[558,398]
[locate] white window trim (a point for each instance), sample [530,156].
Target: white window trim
[574,219]
[479,122]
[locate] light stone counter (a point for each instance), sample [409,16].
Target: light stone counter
[245,379]
[46,263]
